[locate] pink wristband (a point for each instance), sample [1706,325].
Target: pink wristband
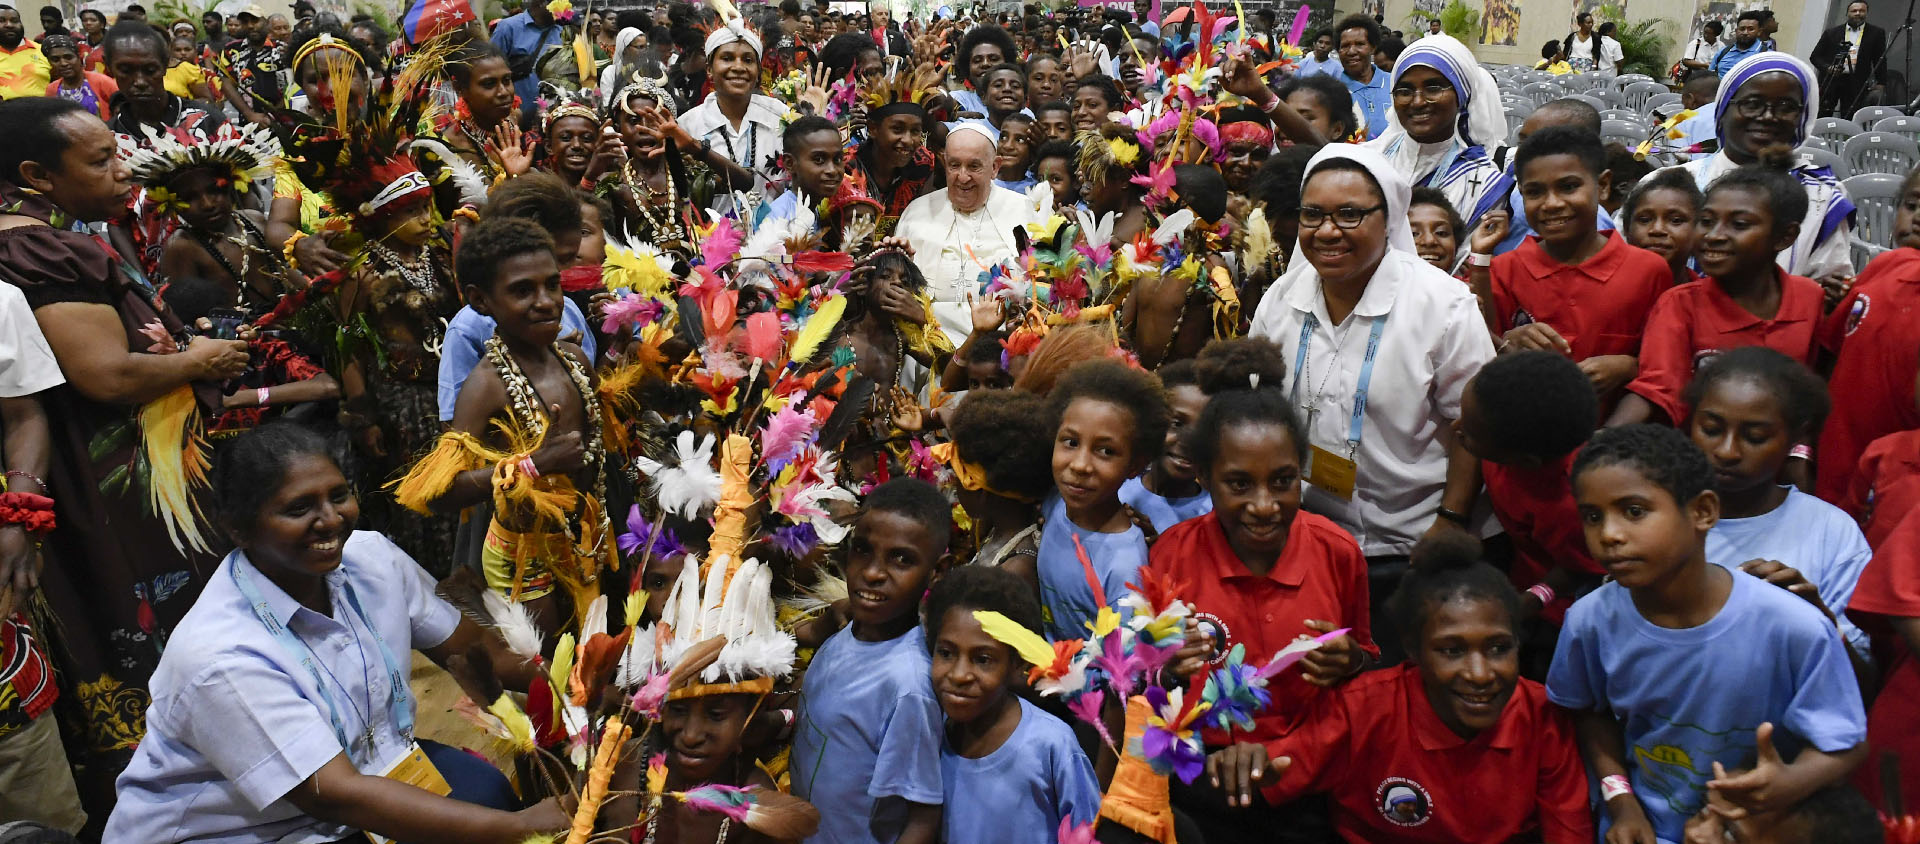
[1542,591]
[260,397]
[1614,786]
[526,466]
[1801,451]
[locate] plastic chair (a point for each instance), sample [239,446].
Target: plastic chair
[1902,125]
[1621,114]
[1524,108]
[1629,134]
[1880,152]
[1873,114]
[1541,93]
[1835,129]
[1876,197]
[1823,157]
[1624,80]
[1638,93]
[1514,120]
[1815,142]
[1658,100]
[1612,98]
[1597,103]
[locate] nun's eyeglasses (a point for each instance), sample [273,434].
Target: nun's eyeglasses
[1346,217]
[1753,107]
[1431,92]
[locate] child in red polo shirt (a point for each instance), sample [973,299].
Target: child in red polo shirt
[1524,415]
[1886,487]
[1571,288]
[1452,747]
[1259,572]
[1746,300]
[1661,215]
[1874,335]
[1886,604]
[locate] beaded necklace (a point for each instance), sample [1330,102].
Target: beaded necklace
[523,404]
[249,235]
[664,226]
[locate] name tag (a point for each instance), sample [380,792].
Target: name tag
[1331,473]
[415,769]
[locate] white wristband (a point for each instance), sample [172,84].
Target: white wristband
[1479,259]
[1614,786]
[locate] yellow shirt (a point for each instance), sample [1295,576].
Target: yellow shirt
[180,79]
[24,72]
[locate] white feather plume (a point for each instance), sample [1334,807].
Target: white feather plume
[688,485]
[472,185]
[513,623]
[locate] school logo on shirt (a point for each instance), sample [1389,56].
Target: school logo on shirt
[1520,318]
[1858,313]
[1403,802]
[1701,357]
[1217,632]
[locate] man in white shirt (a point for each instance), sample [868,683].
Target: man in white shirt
[961,230]
[737,120]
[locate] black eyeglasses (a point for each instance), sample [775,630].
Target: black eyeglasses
[1753,107]
[1431,92]
[1346,217]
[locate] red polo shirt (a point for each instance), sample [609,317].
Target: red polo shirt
[1536,507]
[1396,773]
[1599,305]
[1876,336]
[1887,486]
[1889,588]
[1321,574]
[1697,320]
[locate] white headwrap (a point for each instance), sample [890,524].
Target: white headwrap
[734,30]
[1394,187]
[624,40]
[1482,117]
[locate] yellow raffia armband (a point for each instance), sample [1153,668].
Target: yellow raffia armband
[287,250]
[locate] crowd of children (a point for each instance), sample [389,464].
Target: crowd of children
[1058,427]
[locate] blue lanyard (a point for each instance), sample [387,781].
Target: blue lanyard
[400,697]
[1355,424]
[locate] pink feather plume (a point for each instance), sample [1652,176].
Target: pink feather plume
[721,245]
[762,340]
[789,431]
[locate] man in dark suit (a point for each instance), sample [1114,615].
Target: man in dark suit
[891,40]
[1848,58]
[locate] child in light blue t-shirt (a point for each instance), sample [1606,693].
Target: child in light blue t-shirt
[1001,755]
[1750,405]
[1109,422]
[866,743]
[1169,492]
[1679,670]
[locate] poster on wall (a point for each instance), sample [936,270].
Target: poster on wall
[1500,23]
[1373,8]
[1614,7]
[1724,11]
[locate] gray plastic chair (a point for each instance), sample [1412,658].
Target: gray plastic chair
[1626,115]
[1658,101]
[1822,144]
[1902,125]
[1610,96]
[1638,93]
[1873,114]
[1881,152]
[1876,196]
[1823,157]
[1625,79]
[1597,103]
[1630,134]
[1541,93]
[1835,129]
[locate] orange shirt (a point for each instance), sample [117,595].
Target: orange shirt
[1321,574]
[23,72]
[1396,773]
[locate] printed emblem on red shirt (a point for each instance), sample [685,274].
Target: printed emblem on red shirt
[1858,313]
[1403,802]
[1520,318]
[1701,357]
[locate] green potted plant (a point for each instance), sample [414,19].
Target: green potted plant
[1456,19]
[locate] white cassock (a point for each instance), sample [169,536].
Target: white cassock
[952,248]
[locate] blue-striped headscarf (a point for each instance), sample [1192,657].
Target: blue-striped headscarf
[1769,62]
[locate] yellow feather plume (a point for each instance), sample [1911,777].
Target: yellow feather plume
[176,452]
[562,667]
[1024,642]
[636,603]
[433,474]
[818,327]
[636,270]
[517,722]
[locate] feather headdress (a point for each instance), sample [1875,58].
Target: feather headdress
[236,153]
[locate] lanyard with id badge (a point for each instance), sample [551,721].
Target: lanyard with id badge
[412,767]
[1326,470]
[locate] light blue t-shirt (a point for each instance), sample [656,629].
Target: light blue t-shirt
[1017,186]
[868,730]
[1373,99]
[1692,697]
[520,36]
[1817,538]
[467,334]
[1310,66]
[1037,777]
[1066,600]
[1162,511]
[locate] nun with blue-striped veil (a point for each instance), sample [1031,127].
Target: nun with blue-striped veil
[1446,123]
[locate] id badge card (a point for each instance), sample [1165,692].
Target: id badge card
[1331,473]
[415,769]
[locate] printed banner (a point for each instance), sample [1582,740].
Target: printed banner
[1500,23]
